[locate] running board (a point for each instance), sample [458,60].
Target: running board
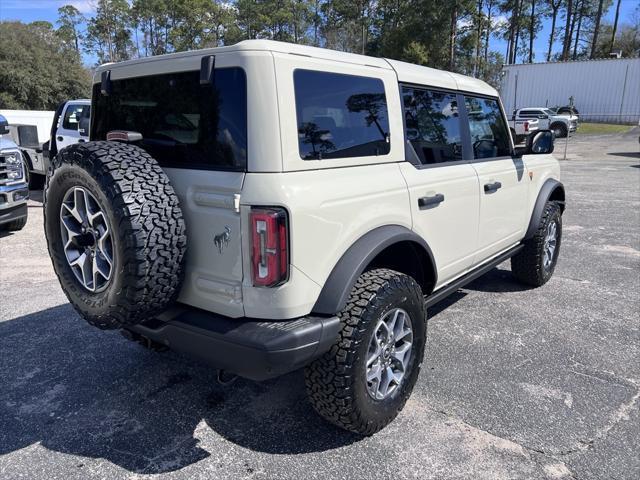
[470,277]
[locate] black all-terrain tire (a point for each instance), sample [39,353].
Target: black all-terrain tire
[528,264]
[148,239]
[14,225]
[559,130]
[336,382]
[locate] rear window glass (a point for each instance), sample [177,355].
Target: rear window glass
[340,116]
[183,124]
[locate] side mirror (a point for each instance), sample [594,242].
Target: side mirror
[538,143]
[4,126]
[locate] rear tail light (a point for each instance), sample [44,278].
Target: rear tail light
[269,246]
[526,126]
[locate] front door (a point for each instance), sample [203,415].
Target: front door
[67,133]
[443,187]
[503,178]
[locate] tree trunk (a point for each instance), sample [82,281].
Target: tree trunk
[615,26]
[532,32]
[566,43]
[476,66]
[452,38]
[575,44]
[554,16]
[487,34]
[517,36]
[596,30]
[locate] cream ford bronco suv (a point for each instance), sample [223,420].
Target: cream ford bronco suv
[267,206]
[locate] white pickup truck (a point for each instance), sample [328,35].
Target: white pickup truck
[521,128]
[548,119]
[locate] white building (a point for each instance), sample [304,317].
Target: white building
[605,90]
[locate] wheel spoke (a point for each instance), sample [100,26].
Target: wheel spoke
[387,378]
[400,354]
[374,373]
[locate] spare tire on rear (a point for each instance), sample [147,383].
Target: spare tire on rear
[115,232]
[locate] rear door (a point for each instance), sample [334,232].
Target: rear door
[503,178]
[198,134]
[443,187]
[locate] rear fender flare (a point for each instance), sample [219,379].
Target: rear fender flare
[336,289]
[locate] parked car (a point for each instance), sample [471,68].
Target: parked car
[14,190]
[559,124]
[521,128]
[268,206]
[568,110]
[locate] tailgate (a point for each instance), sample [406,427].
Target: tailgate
[213,273]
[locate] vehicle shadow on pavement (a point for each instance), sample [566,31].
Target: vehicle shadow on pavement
[80,391]
[625,154]
[497,280]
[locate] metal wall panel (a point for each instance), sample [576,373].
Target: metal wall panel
[602,90]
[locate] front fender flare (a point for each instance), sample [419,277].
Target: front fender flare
[548,189]
[336,289]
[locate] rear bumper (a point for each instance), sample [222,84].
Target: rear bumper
[254,349]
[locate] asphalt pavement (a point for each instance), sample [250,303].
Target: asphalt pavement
[517,383]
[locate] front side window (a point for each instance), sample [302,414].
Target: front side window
[340,116]
[183,124]
[72,116]
[432,125]
[489,132]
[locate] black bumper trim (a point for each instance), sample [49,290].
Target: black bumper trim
[13,213]
[250,348]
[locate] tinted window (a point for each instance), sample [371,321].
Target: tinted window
[340,115]
[489,132]
[183,124]
[72,116]
[432,125]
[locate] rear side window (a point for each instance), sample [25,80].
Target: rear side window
[432,125]
[489,132]
[340,116]
[183,124]
[72,116]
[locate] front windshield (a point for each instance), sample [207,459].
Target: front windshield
[548,111]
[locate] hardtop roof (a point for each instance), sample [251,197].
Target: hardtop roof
[406,72]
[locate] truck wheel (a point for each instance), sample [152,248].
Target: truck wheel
[14,225]
[559,130]
[115,232]
[363,382]
[535,263]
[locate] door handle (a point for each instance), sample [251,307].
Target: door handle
[492,187]
[59,138]
[427,202]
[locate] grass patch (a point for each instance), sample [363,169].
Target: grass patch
[601,128]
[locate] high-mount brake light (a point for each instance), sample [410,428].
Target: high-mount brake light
[269,246]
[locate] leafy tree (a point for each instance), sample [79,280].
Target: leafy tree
[36,71]
[109,32]
[69,21]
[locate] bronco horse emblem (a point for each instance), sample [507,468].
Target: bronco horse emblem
[222,239]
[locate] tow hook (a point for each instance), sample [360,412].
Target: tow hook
[225,378]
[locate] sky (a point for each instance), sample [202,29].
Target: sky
[32,10]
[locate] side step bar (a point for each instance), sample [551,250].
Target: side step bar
[470,276]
